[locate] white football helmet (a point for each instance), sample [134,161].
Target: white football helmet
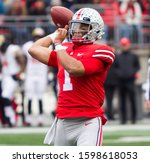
[88,22]
[38,32]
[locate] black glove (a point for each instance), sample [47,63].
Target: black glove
[16,77]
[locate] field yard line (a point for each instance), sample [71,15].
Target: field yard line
[134,139]
[127,127]
[129,139]
[27,130]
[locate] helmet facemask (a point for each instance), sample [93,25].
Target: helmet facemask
[78,31]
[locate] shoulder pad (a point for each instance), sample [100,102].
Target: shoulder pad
[104,53]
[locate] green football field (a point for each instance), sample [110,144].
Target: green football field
[112,136]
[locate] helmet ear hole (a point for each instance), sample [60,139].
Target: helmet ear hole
[90,26]
[86,37]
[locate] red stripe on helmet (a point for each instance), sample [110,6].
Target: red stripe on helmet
[79,13]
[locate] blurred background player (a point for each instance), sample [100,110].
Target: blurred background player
[111,85]
[2,118]
[146,89]
[13,65]
[36,79]
[127,66]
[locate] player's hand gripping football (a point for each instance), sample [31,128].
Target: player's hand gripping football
[61,34]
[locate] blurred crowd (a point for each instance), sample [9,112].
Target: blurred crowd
[131,17]
[19,70]
[39,7]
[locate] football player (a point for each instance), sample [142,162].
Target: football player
[13,66]
[36,78]
[82,69]
[146,88]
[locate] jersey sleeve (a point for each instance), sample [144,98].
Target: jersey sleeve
[52,59]
[93,66]
[104,53]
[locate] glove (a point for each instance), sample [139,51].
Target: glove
[16,77]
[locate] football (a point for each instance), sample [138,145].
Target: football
[60,16]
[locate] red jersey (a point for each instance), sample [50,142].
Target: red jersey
[83,96]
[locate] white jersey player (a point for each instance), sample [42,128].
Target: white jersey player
[36,78]
[12,67]
[146,88]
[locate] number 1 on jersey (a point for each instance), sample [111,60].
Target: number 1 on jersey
[67,86]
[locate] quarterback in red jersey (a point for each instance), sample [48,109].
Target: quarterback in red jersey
[82,69]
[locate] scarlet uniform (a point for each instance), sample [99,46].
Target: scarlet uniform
[83,96]
[82,68]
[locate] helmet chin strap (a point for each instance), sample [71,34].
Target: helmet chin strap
[77,41]
[80,42]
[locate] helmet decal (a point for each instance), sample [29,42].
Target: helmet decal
[79,14]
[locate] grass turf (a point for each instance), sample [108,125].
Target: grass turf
[110,138]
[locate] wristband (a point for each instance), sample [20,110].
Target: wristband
[52,36]
[58,47]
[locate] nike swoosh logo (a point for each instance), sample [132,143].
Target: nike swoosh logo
[86,124]
[79,54]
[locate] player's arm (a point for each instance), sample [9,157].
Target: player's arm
[146,88]
[21,62]
[70,64]
[41,52]
[40,49]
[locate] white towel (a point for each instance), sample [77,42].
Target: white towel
[49,138]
